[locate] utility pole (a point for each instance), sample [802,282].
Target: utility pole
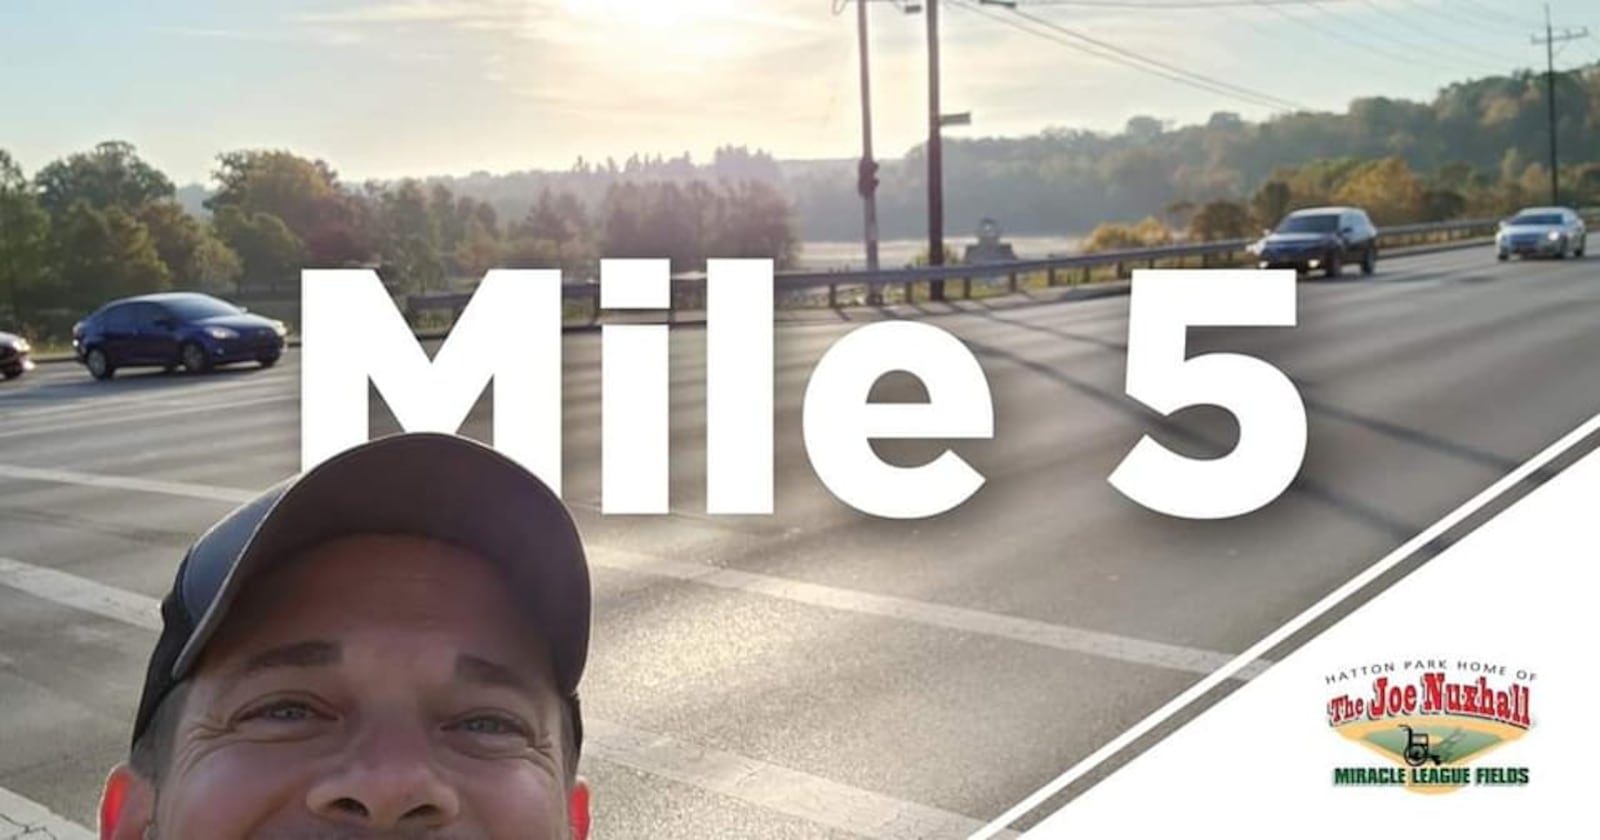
[935,155]
[1549,41]
[867,178]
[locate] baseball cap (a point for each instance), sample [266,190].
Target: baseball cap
[423,484]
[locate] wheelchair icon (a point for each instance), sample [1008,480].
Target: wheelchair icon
[1417,751]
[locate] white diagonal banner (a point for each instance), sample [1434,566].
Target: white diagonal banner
[1510,595]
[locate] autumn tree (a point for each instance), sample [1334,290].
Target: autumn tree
[303,194]
[1220,220]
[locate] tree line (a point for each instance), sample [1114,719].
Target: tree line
[1480,139]
[1483,140]
[1390,191]
[104,223]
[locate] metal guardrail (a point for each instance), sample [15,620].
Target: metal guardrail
[805,287]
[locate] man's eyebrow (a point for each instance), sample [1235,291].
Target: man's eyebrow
[316,653]
[484,672]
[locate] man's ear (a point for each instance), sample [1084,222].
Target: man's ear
[578,809]
[128,805]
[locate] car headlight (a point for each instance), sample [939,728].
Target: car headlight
[221,333]
[22,345]
[280,328]
[1553,235]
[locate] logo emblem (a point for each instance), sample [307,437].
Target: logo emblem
[1432,721]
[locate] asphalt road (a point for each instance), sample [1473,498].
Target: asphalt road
[820,673]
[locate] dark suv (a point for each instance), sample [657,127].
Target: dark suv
[1321,238]
[171,330]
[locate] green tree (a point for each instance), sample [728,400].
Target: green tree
[270,254]
[24,232]
[190,249]
[411,244]
[213,267]
[101,254]
[111,175]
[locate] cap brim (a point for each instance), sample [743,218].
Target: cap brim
[435,486]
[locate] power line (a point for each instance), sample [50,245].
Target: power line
[1492,12]
[1409,61]
[1190,77]
[1484,16]
[1262,101]
[1434,32]
[1410,47]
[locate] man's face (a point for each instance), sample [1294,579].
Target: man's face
[376,687]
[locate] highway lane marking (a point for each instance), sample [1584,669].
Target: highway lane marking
[791,792]
[765,785]
[23,819]
[960,619]
[116,419]
[38,404]
[204,492]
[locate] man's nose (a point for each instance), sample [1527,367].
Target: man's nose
[387,782]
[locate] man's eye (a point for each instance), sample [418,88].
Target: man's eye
[284,711]
[491,725]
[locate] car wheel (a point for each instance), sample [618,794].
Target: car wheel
[11,373]
[1582,244]
[1502,256]
[99,364]
[1333,267]
[1369,261]
[268,361]
[1562,254]
[194,358]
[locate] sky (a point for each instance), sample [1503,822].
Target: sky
[391,88]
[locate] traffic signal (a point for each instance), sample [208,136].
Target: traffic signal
[867,177]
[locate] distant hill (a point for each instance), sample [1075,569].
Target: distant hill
[193,197]
[1064,181]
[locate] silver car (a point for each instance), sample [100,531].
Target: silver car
[1541,232]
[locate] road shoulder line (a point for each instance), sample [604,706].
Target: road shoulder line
[1028,631]
[23,819]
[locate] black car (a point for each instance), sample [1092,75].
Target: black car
[1321,238]
[14,355]
[172,330]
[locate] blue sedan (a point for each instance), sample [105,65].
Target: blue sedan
[171,330]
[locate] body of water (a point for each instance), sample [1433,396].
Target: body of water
[895,253]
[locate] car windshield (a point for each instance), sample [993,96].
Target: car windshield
[1537,219]
[197,308]
[1325,223]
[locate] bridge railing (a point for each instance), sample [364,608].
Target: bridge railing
[850,287]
